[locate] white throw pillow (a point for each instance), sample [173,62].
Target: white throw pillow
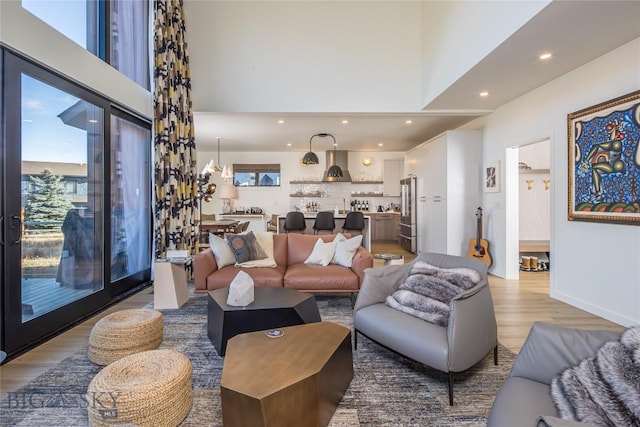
[339,238]
[265,240]
[322,253]
[221,251]
[346,249]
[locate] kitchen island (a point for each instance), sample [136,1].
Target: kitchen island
[310,218]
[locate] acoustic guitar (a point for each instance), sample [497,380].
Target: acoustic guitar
[479,247]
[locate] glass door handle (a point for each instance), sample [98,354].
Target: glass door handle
[17,220]
[2,230]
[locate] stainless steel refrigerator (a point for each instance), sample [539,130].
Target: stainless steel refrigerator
[408,214]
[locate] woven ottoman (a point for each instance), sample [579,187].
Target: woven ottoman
[151,388]
[123,333]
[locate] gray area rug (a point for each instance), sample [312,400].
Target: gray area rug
[387,389]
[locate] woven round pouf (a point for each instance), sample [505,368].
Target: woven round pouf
[125,332]
[151,388]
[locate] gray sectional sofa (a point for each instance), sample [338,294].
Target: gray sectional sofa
[525,399]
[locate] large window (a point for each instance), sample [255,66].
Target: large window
[70,17]
[130,198]
[129,39]
[61,240]
[116,31]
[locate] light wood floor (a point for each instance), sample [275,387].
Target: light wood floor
[518,303]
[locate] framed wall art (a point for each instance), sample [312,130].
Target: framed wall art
[491,172]
[604,162]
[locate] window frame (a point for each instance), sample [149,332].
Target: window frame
[257,170]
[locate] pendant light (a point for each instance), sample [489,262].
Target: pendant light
[334,170]
[310,158]
[226,172]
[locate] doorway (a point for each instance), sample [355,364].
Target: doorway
[529,207]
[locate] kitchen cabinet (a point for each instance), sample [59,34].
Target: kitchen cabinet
[392,174]
[435,235]
[396,227]
[382,226]
[449,190]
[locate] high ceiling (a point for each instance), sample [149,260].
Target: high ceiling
[576,32]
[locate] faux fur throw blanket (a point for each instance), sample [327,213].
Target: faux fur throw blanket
[603,390]
[428,291]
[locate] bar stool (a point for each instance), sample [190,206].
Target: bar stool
[324,222]
[294,221]
[353,221]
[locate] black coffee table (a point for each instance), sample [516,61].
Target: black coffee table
[271,308]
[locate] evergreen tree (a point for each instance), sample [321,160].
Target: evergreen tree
[48,201]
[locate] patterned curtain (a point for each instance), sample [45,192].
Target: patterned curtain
[176,200]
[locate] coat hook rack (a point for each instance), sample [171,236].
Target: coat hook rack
[529,184]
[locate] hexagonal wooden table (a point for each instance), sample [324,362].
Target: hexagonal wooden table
[297,379]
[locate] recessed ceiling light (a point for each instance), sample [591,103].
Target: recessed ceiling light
[544,56]
[288,144]
[344,122]
[408,122]
[483,94]
[93,121]
[281,121]
[380,144]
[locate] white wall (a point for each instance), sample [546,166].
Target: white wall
[276,200]
[447,50]
[534,194]
[594,266]
[26,33]
[305,56]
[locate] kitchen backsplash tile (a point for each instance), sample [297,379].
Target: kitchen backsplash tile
[332,195]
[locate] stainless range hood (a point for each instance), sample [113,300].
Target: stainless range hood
[342,160]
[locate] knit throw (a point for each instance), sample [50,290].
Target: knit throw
[428,291]
[603,390]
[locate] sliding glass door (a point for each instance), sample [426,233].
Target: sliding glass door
[130,189]
[76,203]
[60,198]
[54,161]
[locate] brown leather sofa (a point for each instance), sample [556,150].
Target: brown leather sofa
[289,251]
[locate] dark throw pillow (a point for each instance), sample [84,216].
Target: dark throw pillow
[245,247]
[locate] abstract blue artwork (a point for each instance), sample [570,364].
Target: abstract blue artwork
[604,161]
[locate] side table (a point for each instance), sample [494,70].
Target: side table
[169,284]
[390,259]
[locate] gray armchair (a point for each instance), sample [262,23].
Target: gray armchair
[525,397]
[471,332]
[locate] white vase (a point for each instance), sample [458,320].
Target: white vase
[226,206]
